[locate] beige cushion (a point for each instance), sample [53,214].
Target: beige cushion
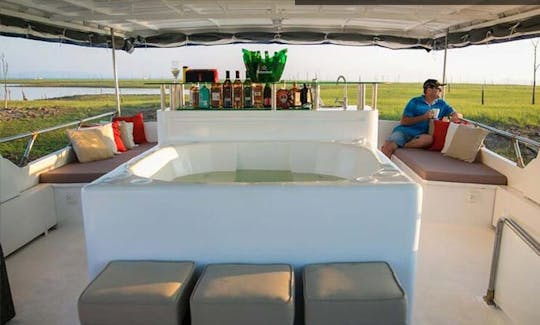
[138,292]
[107,133]
[464,142]
[89,145]
[244,294]
[353,293]
[126,133]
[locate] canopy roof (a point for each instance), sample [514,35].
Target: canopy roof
[171,23]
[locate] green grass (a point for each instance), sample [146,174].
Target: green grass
[98,83]
[506,106]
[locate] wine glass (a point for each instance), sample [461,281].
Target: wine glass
[175,69]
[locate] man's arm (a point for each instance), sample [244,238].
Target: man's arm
[455,116]
[409,120]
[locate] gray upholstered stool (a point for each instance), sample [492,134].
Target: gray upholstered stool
[244,294]
[138,292]
[353,293]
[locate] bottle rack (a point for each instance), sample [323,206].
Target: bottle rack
[176,92]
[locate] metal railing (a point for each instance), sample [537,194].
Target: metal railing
[532,145]
[34,134]
[489,298]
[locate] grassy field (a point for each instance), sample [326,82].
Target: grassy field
[506,107]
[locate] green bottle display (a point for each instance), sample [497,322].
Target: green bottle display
[204,97]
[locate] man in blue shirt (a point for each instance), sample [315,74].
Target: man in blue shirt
[412,131]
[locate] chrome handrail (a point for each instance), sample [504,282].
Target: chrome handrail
[34,134]
[489,298]
[516,139]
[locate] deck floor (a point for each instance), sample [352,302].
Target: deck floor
[48,275]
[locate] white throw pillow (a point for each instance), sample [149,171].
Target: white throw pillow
[449,135]
[126,133]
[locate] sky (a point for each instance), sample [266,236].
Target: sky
[507,63]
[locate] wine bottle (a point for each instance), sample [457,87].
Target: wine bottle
[248,92]
[294,96]
[282,98]
[204,97]
[216,95]
[237,91]
[258,95]
[305,97]
[194,95]
[227,91]
[267,96]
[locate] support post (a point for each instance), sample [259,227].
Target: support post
[361,98]
[115,72]
[444,65]
[374,95]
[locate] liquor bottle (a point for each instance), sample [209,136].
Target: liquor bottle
[237,91]
[248,92]
[216,95]
[282,98]
[204,97]
[194,95]
[305,97]
[257,95]
[294,96]
[267,96]
[227,91]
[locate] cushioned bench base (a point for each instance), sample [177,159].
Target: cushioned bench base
[244,294]
[90,171]
[353,293]
[138,292]
[433,166]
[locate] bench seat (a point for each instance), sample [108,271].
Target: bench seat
[433,166]
[85,173]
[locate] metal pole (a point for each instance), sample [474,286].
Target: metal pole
[444,65]
[115,71]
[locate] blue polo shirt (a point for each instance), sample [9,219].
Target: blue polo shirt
[418,106]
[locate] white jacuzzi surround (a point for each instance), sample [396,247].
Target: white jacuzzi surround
[136,212]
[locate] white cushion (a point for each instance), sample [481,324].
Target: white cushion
[126,133]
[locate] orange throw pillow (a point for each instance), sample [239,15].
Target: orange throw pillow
[117,137]
[138,126]
[439,134]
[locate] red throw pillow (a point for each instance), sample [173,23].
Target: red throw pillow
[138,126]
[439,134]
[117,138]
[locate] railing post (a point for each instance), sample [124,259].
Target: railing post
[29,145]
[490,293]
[519,157]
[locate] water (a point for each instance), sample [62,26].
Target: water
[32,93]
[255,175]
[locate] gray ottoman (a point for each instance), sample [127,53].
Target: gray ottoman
[353,293]
[138,292]
[244,294]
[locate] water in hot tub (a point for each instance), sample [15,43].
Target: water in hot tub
[255,175]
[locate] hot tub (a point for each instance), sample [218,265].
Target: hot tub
[333,200]
[259,162]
